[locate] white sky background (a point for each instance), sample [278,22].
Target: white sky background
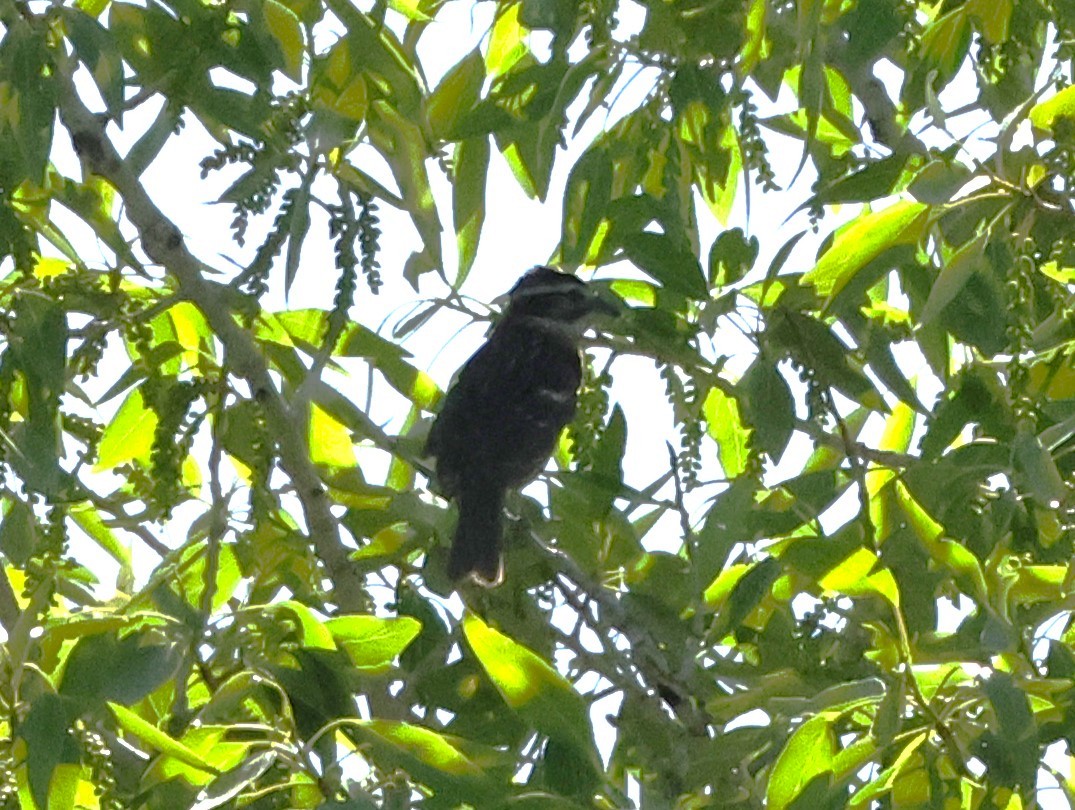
[518,233]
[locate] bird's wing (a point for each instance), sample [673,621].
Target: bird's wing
[507,407]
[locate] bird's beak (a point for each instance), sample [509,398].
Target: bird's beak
[605,302]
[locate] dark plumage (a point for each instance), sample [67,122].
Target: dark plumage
[500,420]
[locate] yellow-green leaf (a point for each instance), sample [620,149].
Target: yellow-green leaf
[456,95]
[286,29]
[411,9]
[862,241]
[1045,113]
[529,685]
[507,43]
[468,199]
[313,633]
[809,754]
[129,436]
[859,575]
[330,441]
[725,424]
[948,553]
[157,739]
[372,642]
[953,277]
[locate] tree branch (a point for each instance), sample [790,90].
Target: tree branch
[882,458]
[647,658]
[164,244]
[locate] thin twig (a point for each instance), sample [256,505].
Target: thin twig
[681,507]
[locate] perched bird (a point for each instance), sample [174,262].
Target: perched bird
[500,420]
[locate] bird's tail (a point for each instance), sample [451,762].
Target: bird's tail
[476,548]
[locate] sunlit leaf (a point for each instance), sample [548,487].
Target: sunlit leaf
[809,755]
[507,44]
[860,575]
[1045,114]
[372,642]
[457,93]
[286,28]
[726,427]
[862,241]
[158,740]
[129,436]
[530,686]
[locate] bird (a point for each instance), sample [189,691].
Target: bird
[500,420]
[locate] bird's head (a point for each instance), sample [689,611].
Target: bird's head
[554,298]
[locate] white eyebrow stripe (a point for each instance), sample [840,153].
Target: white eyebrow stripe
[546,289]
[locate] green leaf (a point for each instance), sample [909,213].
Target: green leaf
[537,692]
[731,257]
[938,181]
[97,51]
[126,669]
[39,349]
[810,754]
[948,553]
[48,743]
[40,346]
[668,261]
[129,436]
[877,179]
[339,94]
[862,241]
[882,362]
[223,110]
[298,225]
[548,15]
[149,145]
[955,274]
[93,201]
[373,642]
[229,785]
[177,585]
[724,424]
[586,199]
[771,409]
[286,29]
[306,328]
[468,200]
[1011,748]
[448,764]
[28,105]
[158,740]
[1037,468]
[312,631]
[18,532]
[737,594]
[901,766]
[403,144]
[1045,114]
[813,343]
[456,95]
